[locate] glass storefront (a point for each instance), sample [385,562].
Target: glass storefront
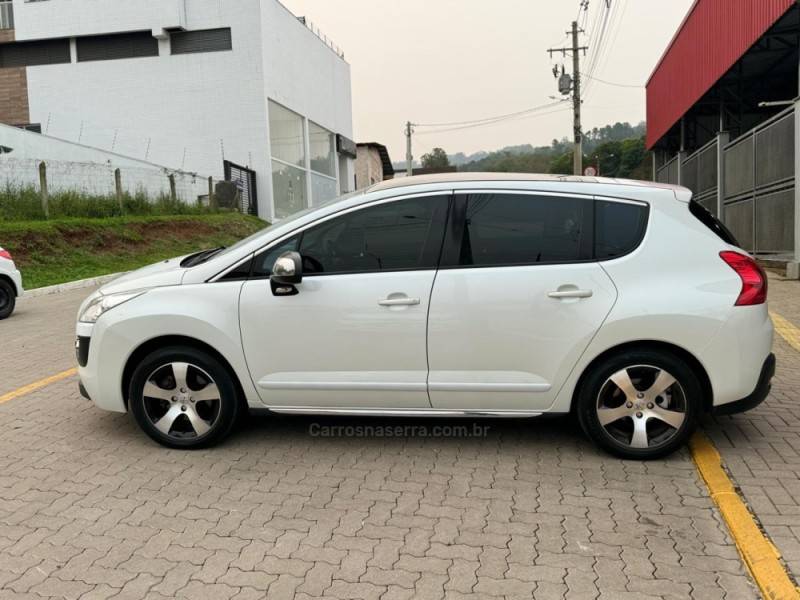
[292,172]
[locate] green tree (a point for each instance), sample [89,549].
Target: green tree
[435,159]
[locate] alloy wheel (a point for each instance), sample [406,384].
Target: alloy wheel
[181,400]
[641,406]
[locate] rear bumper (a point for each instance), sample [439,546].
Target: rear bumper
[757,397]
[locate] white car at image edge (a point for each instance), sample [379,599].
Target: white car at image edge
[626,304]
[10,284]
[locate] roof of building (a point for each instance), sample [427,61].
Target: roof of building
[714,35]
[386,162]
[465,177]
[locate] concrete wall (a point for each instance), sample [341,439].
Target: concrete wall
[186,111]
[369,167]
[75,167]
[65,18]
[98,179]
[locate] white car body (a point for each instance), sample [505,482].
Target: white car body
[9,271]
[478,341]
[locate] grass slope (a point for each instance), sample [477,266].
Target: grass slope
[52,252]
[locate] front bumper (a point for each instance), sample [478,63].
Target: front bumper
[16,277]
[757,397]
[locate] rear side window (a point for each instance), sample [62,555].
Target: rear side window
[713,223]
[522,229]
[618,228]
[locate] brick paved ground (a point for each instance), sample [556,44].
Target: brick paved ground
[761,448]
[89,507]
[36,340]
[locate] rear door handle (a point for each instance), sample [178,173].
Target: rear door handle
[559,295]
[399,302]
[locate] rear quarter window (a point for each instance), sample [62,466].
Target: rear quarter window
[618,228]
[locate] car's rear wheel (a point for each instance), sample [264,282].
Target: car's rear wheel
[640,404]
[8,299]
[183,398]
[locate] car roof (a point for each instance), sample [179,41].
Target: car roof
[466,178]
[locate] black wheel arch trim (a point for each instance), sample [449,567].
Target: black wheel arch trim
[10,282]
[690,359]
[154,344]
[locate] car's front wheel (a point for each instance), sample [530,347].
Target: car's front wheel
[640,404]
[8,299]
[183,398]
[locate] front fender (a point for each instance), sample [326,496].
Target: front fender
[210,316]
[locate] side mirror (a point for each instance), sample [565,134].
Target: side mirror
[286,273]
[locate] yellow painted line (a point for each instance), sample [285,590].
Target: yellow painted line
[32,387]
[759,554]
[786,329]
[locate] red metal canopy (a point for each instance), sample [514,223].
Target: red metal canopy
[712,38]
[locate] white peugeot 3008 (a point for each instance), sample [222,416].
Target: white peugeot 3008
[624,303]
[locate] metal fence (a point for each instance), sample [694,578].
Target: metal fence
[699,173]
[757,183]
[759,186]
[668,173]
[6,14]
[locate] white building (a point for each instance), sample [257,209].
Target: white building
[186,84]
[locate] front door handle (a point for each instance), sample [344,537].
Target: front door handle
[402,301]
[560,295]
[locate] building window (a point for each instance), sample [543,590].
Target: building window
[322,145]
[122,45]
[287,140]
[206,40]
[28,54]
[286,135]
[303,161]
[6,14]
[288,189]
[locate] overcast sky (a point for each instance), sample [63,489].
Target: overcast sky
[442,61]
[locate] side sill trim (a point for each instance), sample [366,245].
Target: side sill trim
[346,386]
[400,412]
[489,387]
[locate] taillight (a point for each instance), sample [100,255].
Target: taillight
[754,280]
[5,254]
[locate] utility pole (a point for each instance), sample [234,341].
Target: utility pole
[576,93]
[409,156]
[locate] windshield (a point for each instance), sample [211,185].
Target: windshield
[294,217]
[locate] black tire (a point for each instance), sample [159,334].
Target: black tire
[218,415]
[8,299]
[598,392]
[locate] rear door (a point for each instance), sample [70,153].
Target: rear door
[517,299]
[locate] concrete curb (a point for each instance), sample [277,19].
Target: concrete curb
[70,285]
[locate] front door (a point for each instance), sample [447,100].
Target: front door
[517,300]
[355,333]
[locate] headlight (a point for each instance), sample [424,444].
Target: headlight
[102,304]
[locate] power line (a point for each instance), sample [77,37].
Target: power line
[517,118]
[488,119]
[622,85]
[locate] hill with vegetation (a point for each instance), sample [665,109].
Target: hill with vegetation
[617,150]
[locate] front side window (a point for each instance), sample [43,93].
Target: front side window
[395,236]
[520,229]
